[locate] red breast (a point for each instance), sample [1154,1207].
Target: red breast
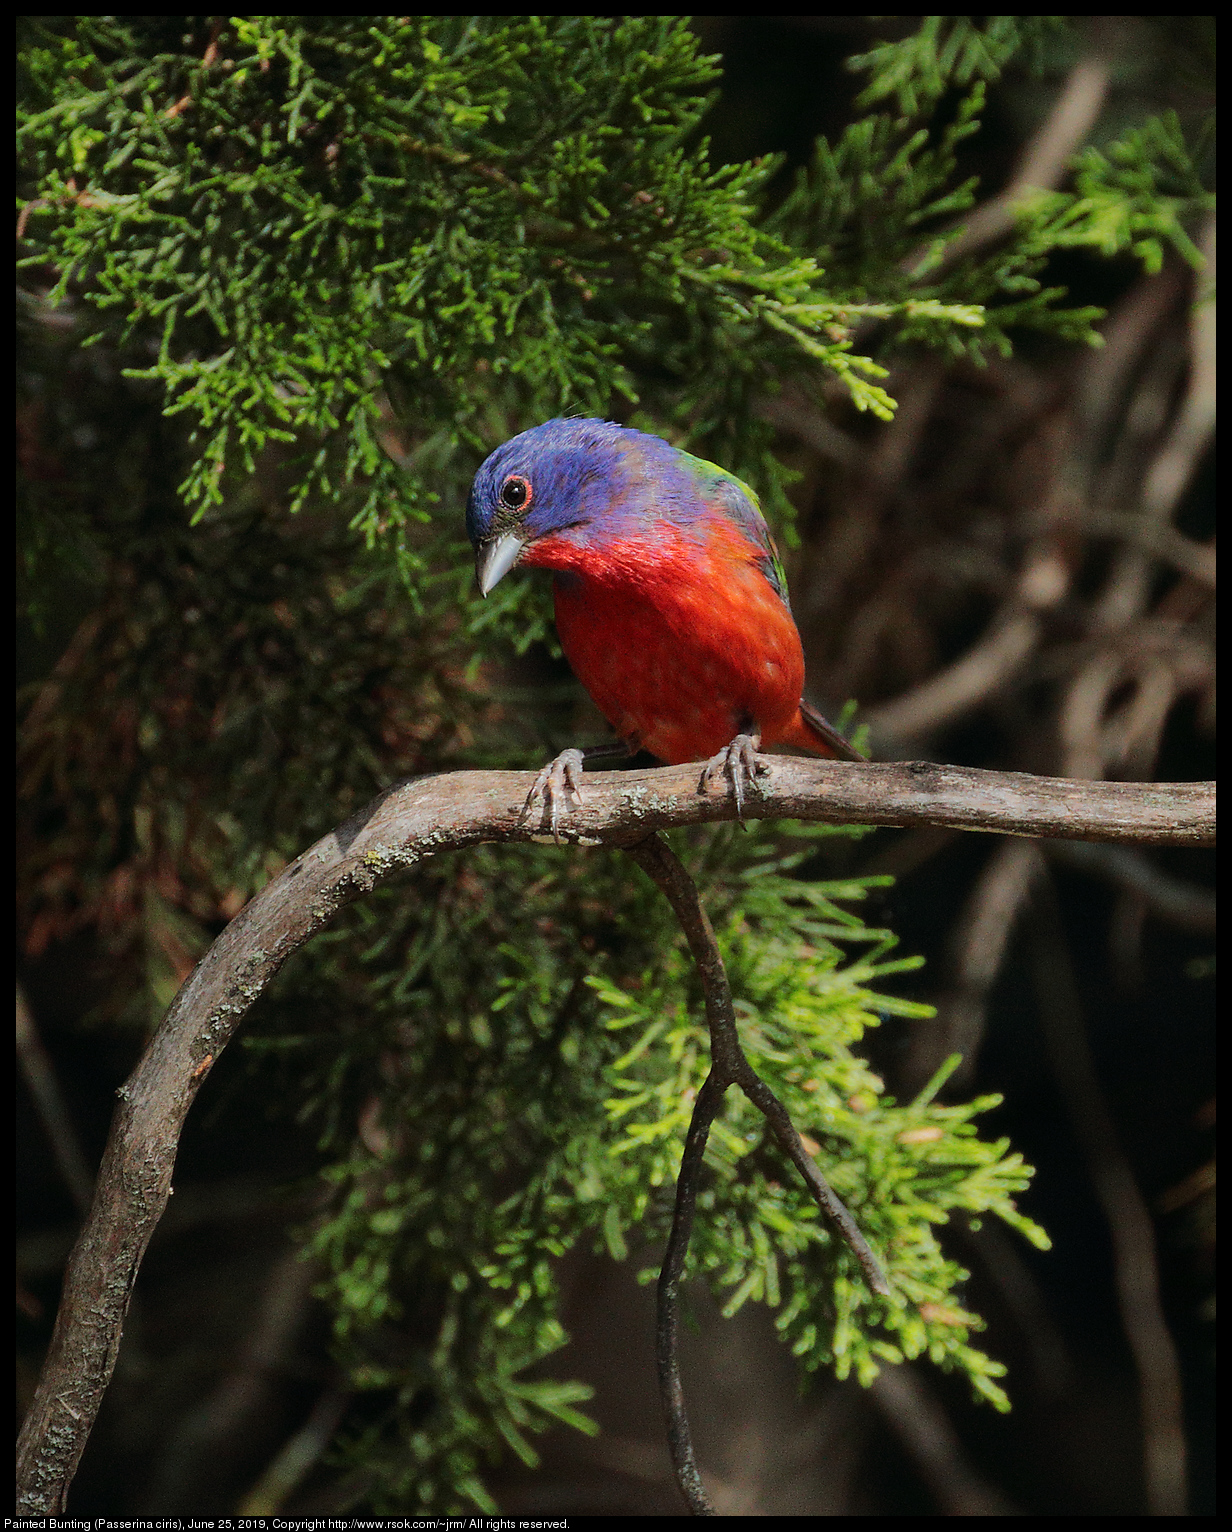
[682,643]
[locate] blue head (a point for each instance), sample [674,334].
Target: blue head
[583,479]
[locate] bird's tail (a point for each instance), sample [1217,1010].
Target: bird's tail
[810,731]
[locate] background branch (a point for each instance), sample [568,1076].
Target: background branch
[1135,1260]
[39,1073]
[1177,903]
[915,1415]
[979,940]
[231,1409]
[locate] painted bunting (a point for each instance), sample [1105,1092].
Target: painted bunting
[671,603]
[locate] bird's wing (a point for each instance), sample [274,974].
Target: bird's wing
[733,497]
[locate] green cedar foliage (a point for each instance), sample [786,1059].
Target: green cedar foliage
[309,270]
[529,1085]
[1141,193]
[947,52]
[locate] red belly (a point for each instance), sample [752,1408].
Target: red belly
[681,646]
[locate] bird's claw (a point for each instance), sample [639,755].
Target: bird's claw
[737,763]
[553,784]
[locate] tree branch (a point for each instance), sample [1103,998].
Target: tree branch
[446,813]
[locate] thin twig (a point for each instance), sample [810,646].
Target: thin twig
[831,1205]
[728,1066]
[1103,375]
[667,1315]
[850,535]
[1089,746]
[447,813]
[1195,559]
[1001,1263]
[1183,448]
[728,1059]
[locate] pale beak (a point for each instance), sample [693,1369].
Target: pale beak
[495,558]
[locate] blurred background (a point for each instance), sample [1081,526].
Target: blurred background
[1017,573]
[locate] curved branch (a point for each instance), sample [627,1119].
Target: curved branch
[446,813]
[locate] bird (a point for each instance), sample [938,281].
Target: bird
[670,598]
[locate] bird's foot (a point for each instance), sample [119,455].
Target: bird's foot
[554,783]
[737,763]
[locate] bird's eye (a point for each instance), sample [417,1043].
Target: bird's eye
[515,494]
